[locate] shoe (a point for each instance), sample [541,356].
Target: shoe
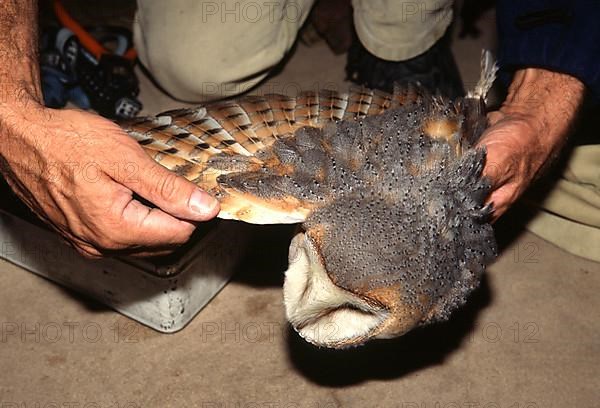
[435,69]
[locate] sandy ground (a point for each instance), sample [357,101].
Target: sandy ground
[528,338]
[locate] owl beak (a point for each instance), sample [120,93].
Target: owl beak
[321,312]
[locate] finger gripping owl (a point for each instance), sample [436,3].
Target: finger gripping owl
[386,189]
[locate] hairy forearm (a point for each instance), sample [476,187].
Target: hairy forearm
[548,101]
[20,90]
[19,74]
[20,97]
[551,97]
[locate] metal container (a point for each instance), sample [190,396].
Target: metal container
[162,293]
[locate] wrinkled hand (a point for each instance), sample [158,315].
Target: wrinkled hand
[79,172]
[528,131]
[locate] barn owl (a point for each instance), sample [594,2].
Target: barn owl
[386,189]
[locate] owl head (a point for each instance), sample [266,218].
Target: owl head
[400,244]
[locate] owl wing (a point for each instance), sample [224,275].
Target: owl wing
[228,148]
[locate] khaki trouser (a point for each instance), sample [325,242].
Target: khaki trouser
[569,214]
[201,50]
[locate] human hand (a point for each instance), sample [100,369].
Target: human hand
[79,171]
[528,131]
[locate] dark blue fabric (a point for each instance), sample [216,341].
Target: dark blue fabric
[560,35]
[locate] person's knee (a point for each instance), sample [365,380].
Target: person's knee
[197,56]
[203,77]
[196,71]
[398,30]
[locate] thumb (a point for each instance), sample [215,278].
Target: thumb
[171,193]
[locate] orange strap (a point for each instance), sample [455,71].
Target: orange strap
[86,39]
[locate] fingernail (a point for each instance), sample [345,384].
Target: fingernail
[203,203]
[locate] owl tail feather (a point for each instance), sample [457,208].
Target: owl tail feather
[489,69]
[474,104]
